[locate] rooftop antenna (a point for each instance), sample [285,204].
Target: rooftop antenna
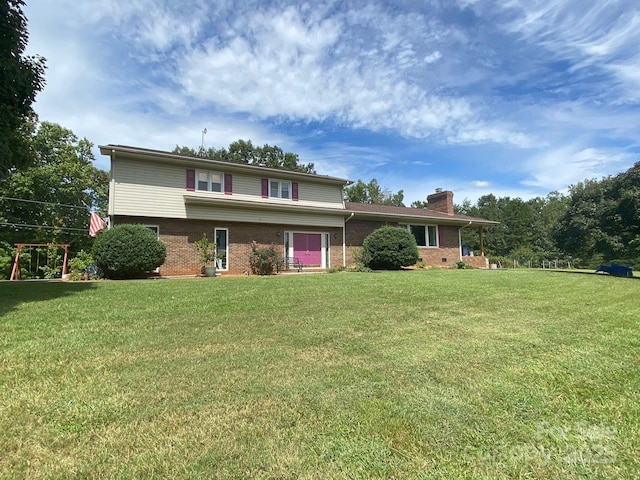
[204,132]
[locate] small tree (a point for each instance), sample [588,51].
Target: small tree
[206,249]
[390,248]
[128,251]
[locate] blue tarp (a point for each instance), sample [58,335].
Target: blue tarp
[616,270]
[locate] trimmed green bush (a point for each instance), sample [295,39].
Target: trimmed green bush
[390,248]
[128,251]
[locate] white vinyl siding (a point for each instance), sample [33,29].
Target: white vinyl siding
[147,189]
[260,216]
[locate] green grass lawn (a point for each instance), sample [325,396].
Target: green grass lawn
[416,374]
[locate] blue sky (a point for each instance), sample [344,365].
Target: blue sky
[516,98]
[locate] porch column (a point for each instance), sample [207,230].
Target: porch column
[481,241]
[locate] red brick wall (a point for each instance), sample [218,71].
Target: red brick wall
[356,232]
[447,253]
[179,236]
[476,262]
[182,259]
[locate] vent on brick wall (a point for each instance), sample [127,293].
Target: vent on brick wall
[444,260]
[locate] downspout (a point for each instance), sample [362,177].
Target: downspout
[344,240]
[111,194]
[460,238]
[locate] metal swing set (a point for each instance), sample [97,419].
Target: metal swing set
[15,271]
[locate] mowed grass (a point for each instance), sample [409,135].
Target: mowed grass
[412,374]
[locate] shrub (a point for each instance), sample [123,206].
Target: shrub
[359,267]
[7,253]
[263,261]
[83,263]
[390,248]
[128,251]
[462,266]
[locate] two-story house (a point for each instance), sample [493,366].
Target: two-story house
[304,215]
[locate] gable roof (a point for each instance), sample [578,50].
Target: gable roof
[404,214]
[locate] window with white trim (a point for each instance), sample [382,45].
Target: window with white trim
[222,248]
[155,229]
[209,181]
[279,189]
[425,235]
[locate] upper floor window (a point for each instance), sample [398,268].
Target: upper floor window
[207,181]
[279,189]
[425,235]
[272,188]
[210,181]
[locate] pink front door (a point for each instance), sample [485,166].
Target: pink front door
[307,247]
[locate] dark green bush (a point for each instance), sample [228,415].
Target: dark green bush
[128,251]
[390,248]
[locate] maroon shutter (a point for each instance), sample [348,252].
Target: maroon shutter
[228,186]
[294,191]
[265,188]
[191,180]
[439,237]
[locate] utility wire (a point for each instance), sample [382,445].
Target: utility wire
[43,203]
[24,225]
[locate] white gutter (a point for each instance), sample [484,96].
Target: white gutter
[344,240]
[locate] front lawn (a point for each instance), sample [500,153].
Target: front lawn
[416,374]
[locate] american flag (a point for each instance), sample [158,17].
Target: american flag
[95,224]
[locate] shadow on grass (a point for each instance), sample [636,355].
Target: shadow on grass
[591,272]
[15,293]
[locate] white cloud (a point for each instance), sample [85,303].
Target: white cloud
[153,73]
[603,35]
[480,183]
[564,166]
[433,57]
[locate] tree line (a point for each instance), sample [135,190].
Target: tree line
[597,222]
[244,151]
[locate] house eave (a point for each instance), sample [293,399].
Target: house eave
[229,202]
[453,220]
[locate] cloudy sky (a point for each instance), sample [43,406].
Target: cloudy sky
[511,97]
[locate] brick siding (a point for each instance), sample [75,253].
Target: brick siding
[182,258]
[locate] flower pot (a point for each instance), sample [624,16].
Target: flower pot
[209,271]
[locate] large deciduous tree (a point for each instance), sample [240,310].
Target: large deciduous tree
[49,202]
[243,151]
[373,193]
[602,222]
[21,78]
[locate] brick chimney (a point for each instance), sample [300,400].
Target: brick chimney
[441,201]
